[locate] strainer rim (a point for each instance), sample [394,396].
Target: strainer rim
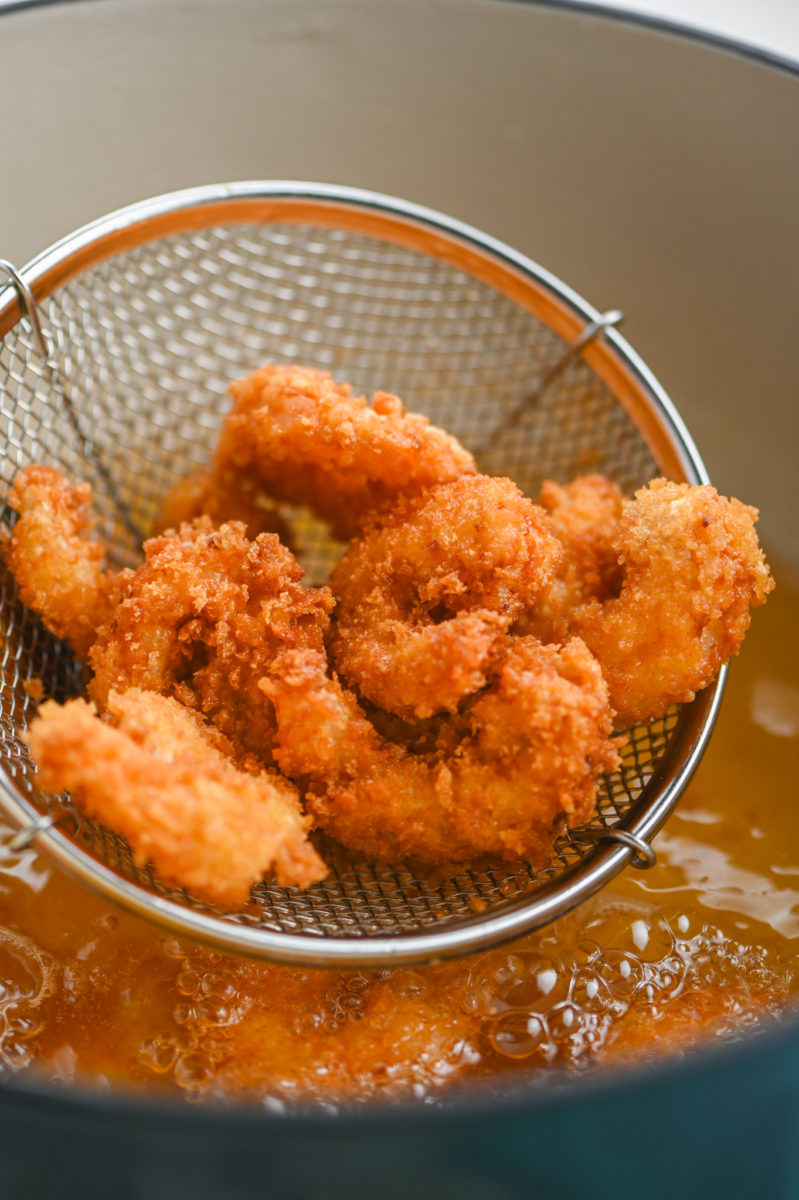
[50,270]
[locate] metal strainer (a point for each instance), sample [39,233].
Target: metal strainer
[117,347]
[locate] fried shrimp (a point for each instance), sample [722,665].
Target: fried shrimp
[58,567]
[451,695]
[424,596]
[502,777]
[584,515]
[691,569]
[165,781]
[201,620]
[306,440]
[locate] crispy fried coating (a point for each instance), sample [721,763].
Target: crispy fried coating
[491,639]
[692,570]
[584,516]
[224,496]
[166,782]
[305,439]
[424,596]
[500,781]
[58,567]
[201,620]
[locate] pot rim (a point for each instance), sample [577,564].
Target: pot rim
[719,41]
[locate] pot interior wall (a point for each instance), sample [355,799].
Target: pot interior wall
[650,171]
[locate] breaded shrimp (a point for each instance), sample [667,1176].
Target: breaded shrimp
[502,778]
[165,781]
[584,516]
[58,567]
[305,439]
[201,620]
[692,569]
[425,594]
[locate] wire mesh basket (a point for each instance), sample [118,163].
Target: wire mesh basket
[117,348]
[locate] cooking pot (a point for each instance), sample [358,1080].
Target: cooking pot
[656,172]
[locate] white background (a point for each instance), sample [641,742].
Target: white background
[771,25]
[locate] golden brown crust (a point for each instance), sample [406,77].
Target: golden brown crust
[659,587]
[484,740]
[307,440]
[166,782]
[58,567]
[584,516]
[693,570]
[424,596]
[202,618]
[502,777]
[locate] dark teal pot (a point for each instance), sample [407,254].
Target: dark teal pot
[725,1123]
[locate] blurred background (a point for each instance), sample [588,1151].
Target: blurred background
[771,25]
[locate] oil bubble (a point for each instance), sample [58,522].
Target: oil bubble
[15,1053]
[622,972]
[159,1054]
[405,983]
[307,1023]
[212,1010]
[182,1013]
[217,983]
[519,1034]
[590,992]
[192,1071]
[563,1022]
[188,983]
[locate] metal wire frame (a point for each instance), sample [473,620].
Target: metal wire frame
[146,315]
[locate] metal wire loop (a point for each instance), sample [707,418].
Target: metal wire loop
[643,857]
[608,320]
[23,839]
[591,331]
[31,311]
[29,307]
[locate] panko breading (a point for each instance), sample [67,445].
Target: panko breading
[166,782]
[424,596]
[503,776]
[584,515]
[307,440]
[659,587]
[201,620]
[58,567]
[484,643]
[692,571]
